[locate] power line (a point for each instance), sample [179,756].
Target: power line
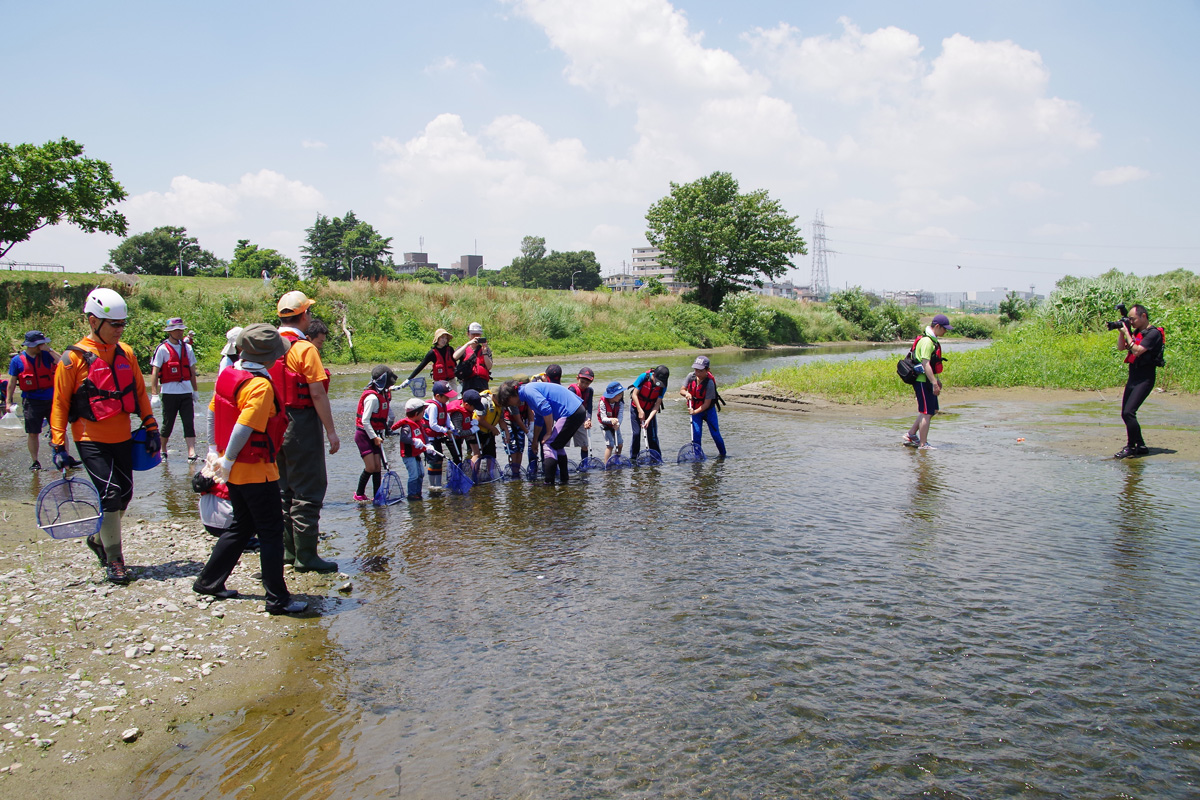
[1015,241]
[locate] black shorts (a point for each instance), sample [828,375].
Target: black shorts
[37,413]
[927,402]
[110,466]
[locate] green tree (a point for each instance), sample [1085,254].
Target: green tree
[557,268]
[44,185]
[525,269]
[427,275]
[336,246]
[654,286]
[721,241]
[166,250]
[1012,308]
[249,261]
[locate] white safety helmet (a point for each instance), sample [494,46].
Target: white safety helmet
[105,304]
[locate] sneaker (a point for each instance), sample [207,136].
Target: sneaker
[358,498]
[926,446]
[1125,452]
[911,441]
[98,549]
[35,466]
[117,573]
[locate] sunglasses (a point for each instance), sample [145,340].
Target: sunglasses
[117,323]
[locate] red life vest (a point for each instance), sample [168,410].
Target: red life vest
[608,408]
[464,412]
[1129,359]
[262,445]
[35,374]
[176,368]
[292,385]
[443,363]
[380,417]
[586,397]
[697,389]
[479,370]
[648,393]
[935,360]
[418,432]
[107,390]
[442,417]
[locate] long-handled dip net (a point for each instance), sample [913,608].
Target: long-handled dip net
[391,488]
[691,453]
[417,386]
[616,461]
[648,458]
[68,508]
[457,481]
[591,462]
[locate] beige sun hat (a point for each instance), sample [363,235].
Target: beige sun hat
[439,333]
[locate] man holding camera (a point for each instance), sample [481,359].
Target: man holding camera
[1145,346]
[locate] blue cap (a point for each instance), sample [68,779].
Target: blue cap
[613,389]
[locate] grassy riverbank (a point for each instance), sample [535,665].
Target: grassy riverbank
[1063,345]
[394,321]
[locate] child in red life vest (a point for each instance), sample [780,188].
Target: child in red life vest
[437,426]
[412,443]
[610,413]
[583,388]
[370,426]
[700,389]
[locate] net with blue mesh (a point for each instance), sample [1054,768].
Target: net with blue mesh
[486,471]
[617,461]
[68,508]
[510,472]
[457,480]
[691,453]
[591,463]
[391,489]
[417,386]
[648,458]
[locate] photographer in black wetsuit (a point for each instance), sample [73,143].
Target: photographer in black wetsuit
[1145,346]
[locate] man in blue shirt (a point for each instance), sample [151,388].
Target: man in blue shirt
[561,412]
[32,372]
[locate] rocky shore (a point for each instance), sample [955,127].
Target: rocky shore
[95,679]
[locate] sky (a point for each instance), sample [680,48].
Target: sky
[949,146]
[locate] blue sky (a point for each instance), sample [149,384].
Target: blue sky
[1020,140]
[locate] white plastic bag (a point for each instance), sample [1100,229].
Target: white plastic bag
[11,422]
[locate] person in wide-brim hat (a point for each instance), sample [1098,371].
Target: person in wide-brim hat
[441,356]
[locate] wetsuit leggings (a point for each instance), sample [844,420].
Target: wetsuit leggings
[554,452]
[1136,392]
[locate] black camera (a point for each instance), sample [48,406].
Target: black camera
[1124,320]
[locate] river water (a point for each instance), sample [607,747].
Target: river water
[825,614]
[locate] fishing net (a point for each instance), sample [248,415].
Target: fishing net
[417,386]
[691,453]
[486,471]
[616,461]
[69,507]
[648,458]
[510,472]
[590,463]
[457,481]
[531,470]
[391,489]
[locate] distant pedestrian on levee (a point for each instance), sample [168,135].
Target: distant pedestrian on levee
[32,371]
[700,389]
[928,386]
[173,373]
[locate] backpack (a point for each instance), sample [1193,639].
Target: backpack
[464,369]
[906,367]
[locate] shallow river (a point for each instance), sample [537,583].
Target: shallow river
[824,614]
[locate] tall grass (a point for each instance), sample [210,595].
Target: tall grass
[394,321]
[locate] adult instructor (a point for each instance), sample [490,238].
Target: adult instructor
[1145,346]
[304,383]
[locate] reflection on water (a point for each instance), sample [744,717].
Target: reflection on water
[825,614]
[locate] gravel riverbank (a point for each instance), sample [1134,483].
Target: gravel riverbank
[96,679]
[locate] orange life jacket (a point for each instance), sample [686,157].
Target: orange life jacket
[262,445]
[107,390]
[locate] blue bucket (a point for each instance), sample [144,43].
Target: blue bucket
[142,460]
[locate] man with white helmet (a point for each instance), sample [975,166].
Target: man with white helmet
[96,388]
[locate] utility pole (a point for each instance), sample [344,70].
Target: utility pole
[820,258]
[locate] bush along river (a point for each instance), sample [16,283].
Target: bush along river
[825,614]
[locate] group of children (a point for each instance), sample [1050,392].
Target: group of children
[534,417]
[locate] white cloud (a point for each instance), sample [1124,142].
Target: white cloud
[1058,229]
[191,202]
[1119,175]
[449,64]
[312,144]
[1027,190]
